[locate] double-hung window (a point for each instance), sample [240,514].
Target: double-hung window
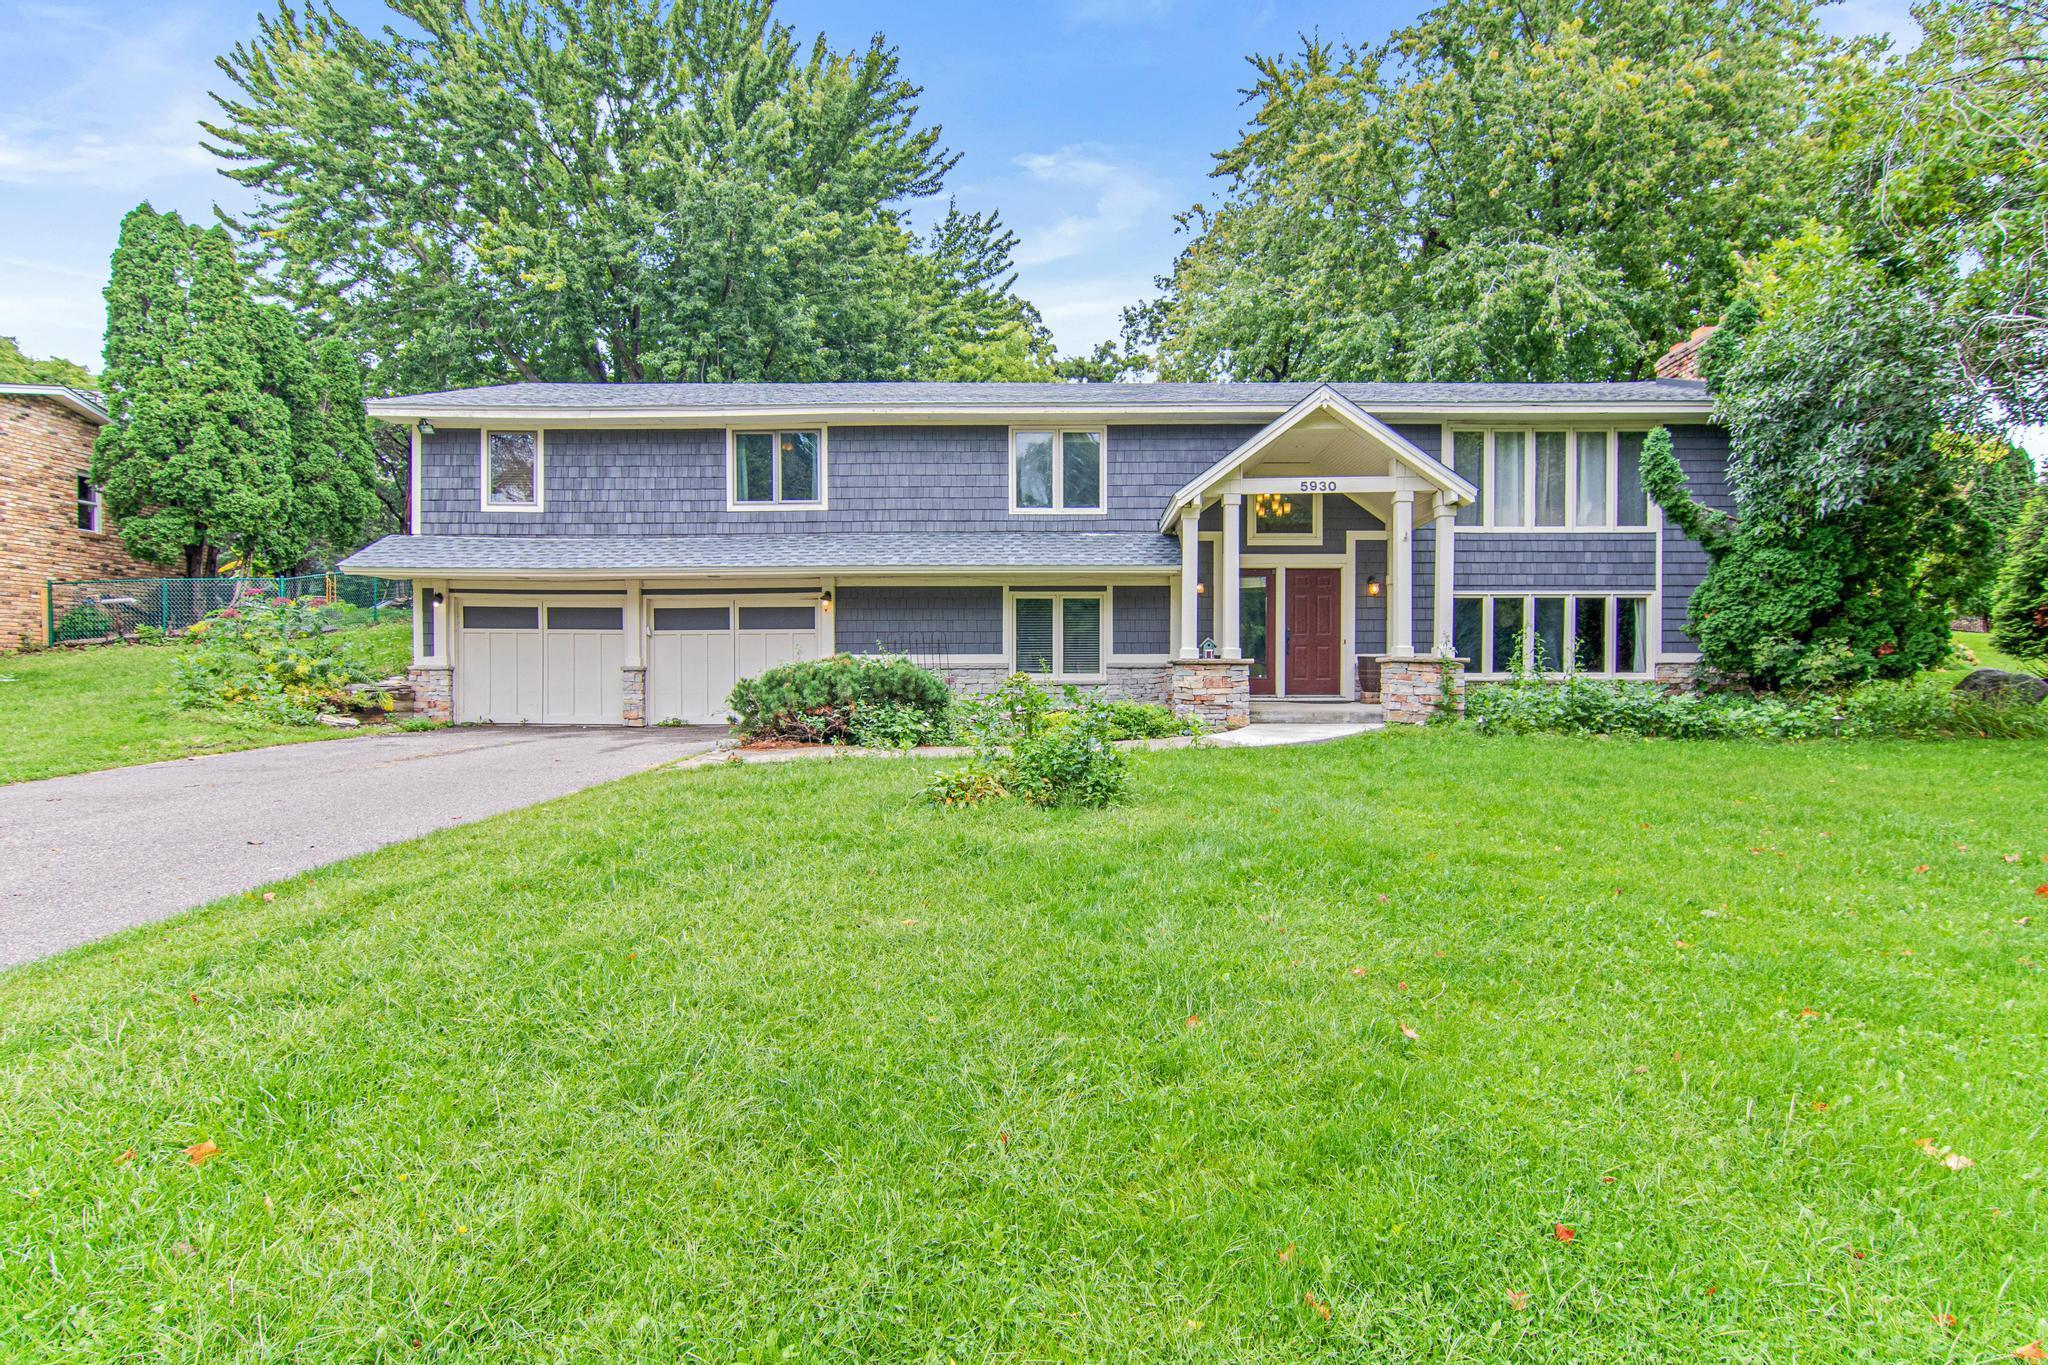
[88,505]
[513,471]
[1055,470]
[1565,479]
[1057,635]
[777,469]
[1581,633]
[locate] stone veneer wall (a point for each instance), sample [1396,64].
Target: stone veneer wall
[433,692]
[44,447]
[1685,677]
[1218,691]
[1412,689]
[1121,683]
[633,695]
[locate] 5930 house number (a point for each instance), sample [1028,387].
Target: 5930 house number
[1317,486]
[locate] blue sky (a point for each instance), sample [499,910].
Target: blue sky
[1088,123]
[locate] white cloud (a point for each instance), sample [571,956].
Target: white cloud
[1858,18]
[38,152]
[1083,311]
[1120,199]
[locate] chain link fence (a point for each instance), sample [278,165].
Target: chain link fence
[104,610]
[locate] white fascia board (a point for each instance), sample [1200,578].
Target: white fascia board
[843,573]
[62,395]
[464,417]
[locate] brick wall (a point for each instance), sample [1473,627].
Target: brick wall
[44,447]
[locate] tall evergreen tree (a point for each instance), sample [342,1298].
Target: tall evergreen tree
[2019,607]
[225,438]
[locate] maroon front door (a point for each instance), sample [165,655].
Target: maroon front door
[1313,667]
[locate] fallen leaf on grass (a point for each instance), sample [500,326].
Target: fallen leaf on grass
[2042,889]
[1947,1320]
[1820,1106]
[199,1153]
[1358,971]
[1680,943]
[1004,1138]
[1956,1161]
[2012,857]
[184,1248]
[1947,1156]
[1921,868]
[270,895]
[1322,1309]
[1608,1179]
[125,1157]
[1518,1299]
[1287,1253]
[1564,1234]
[2031,1351]
[1410,1034]
[1809,1014]
[1194,1021]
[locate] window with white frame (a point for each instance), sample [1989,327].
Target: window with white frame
[1057,635]
[1055,470]
[1591,633]
[1567,480]
[1285,519]
[88,504]
[512,471]
[777,469]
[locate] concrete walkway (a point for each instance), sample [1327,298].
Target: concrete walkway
[84,856]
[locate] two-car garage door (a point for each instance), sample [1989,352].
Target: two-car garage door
[559,662]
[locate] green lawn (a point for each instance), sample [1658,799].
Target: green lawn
[775,1063]
[1988,654]
[77,710]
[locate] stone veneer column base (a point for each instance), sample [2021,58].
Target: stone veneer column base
[633,694]
[433,691]
[1412,689]
[1216,691]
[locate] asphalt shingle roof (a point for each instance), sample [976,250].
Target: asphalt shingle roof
[1135,397]
[996,549]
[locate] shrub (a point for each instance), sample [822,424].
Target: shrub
[86,621]
[1907,709]
[1019,709]
[2019,609]
[892,725]
[974,782]
[269,660]
[1072,764]
[815,701]
[1145,720]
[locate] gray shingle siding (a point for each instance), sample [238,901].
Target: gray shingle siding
[1424,595]
[919,620]
[673,482]
[1370,626]
[1702,452]
[1547,561]
[1141,621]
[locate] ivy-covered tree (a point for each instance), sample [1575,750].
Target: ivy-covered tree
[225,438]
[2019,608]
[608,190]
[1548,190]
[1851,538]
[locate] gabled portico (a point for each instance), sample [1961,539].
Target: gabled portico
[1295,471]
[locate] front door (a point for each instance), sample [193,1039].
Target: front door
[1255,627]
[1312,636]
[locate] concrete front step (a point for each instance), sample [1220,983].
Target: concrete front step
[1266,712]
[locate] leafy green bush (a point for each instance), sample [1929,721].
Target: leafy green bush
[973,783]
[1145,720]
[1922,708]
[1049,756]
[892,725]
[1019,709]
[271,661]
[816,701]
[1072,764]
[86,621]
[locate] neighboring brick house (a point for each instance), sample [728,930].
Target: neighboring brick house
[623,553]
[51,521]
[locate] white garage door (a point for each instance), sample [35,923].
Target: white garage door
[699,649]
[554,663]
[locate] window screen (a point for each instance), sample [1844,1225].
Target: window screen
[501,618]
[1468,458]
[586,618]
[778,618]
[1510,477]
[1631,503]
[693,618]
[1081,635]
[1550,453]
[1592,501]
[1034,634]
[1468,631]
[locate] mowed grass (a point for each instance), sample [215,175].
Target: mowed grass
[108,706]
[776,1063]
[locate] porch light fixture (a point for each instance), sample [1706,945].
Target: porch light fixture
[1372,587]
[1201,588]
[825,599]
[426,427]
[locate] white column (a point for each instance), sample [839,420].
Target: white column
[636,628]
[1190,577]
[1228,574]
[1446,524]
[1401,576]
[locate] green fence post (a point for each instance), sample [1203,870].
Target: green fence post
[49,611]
[163,605]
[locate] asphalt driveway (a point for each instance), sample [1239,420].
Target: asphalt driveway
[83,856]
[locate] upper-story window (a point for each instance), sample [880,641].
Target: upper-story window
[88,505]
[1568,480]
[777,469]
[1285,519]
[1056,470]
[512,471]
